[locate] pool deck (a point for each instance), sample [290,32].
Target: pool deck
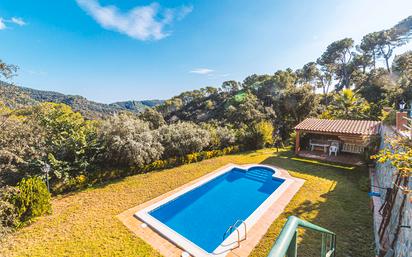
[255,233]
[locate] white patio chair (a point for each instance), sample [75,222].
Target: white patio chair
[334,148]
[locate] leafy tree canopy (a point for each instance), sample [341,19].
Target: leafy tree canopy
[347,105]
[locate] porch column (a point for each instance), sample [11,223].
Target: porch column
[401,121]
[297,144]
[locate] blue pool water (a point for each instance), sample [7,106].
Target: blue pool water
[203,214]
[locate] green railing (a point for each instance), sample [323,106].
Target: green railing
[286,244]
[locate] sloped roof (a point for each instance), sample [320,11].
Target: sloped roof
[357,127]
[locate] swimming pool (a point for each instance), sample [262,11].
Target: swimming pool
[197,217]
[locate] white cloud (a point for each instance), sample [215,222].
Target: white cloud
[185,10]
[19,21]
[2,24]
[203,71]
[141,22]
[15,20]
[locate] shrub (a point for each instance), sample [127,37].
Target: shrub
[22,142]
[183,138]
[264,132]
[129,141]
[220,137]
[72,183]
[189,158]
[153,117]
[388,117]
[45,133]
[68,139]
[292,139]
[33,199]
[8,212]
[259,135]
[21,204]
[226,135]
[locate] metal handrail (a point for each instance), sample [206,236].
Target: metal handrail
[286,243]
[229,230]
[238,235]
[244,224]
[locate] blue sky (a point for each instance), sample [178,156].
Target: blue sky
[113,50]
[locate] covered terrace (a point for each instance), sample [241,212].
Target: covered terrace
[343,141]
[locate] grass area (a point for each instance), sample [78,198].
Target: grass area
[84,223]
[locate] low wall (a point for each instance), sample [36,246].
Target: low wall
[397,237]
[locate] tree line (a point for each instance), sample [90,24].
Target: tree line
[345,82]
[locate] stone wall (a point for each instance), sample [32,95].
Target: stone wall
[384,176]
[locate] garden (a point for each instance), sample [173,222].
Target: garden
[84,223]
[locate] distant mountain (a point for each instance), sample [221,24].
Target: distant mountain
[16,96]
[136,105]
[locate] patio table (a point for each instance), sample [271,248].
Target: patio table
[313,145]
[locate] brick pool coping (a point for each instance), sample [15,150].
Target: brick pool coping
[255,233]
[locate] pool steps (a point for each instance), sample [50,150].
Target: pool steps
[257,175]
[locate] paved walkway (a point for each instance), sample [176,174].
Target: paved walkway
[255,233]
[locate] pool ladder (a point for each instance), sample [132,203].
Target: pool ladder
[236,226]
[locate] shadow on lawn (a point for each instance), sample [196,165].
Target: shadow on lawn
[341,207]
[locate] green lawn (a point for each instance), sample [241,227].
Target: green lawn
[84,223]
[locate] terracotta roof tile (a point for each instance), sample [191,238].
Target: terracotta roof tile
[358,127]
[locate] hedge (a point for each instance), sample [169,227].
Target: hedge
[106,175]
[189,158]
